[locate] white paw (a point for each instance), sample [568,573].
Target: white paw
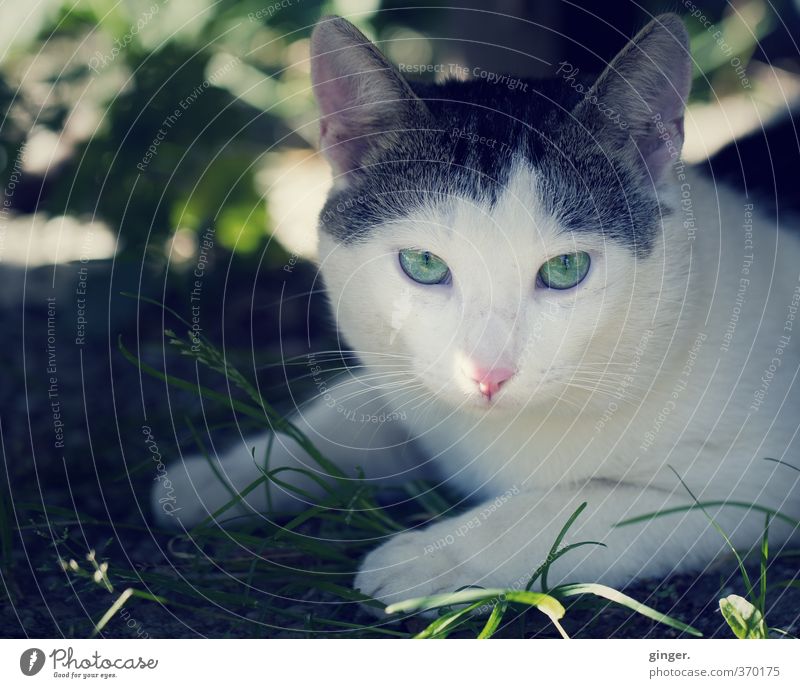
[410,565]
[185,493]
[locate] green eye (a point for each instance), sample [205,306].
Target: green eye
[424,267]
[565,271]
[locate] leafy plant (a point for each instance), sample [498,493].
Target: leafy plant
[745,620]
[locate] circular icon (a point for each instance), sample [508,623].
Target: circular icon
[31,661]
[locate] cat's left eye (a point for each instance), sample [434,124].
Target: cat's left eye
[424,267]
[565,271]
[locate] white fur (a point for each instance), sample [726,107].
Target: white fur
[591,383]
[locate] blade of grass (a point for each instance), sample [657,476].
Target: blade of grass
[447,623]
[546,604]
[723,534]
[702,506]
[211,463]
[790,583]
[555,553]
[216,614]
[552,553]
[620,598]
[119,603]
[494,620]
[265,468]
[782,463]
[265,414]
[236,499]
[239,406]
[433,503]
[376,522]
[544,568]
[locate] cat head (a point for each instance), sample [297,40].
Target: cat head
[496,247]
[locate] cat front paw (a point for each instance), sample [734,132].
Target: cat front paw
[186,493]
[414,564]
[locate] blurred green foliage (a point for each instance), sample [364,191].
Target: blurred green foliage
[103,77]
[207,87]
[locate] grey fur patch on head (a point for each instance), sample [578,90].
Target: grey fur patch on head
[412,144]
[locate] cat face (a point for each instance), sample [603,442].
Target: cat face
[492,334]
[502,253]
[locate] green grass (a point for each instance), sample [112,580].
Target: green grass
[302,570]
[745,615]
[293,576]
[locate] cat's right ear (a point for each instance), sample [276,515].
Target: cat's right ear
[361,96]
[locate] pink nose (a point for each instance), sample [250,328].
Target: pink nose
[489,379]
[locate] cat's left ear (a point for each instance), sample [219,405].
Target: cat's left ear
[641,95]
[363,100]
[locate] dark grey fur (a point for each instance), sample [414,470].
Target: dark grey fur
[585,178]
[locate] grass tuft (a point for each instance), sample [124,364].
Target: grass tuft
[293,576]
[745,616]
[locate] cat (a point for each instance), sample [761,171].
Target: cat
[550,308]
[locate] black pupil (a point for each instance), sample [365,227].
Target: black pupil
[427,258]
[565,262]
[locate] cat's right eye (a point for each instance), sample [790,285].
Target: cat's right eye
[424,267]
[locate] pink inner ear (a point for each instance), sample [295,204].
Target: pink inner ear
[335,92]
[343,145]
[661,146]
[336,80]
[349,79]
[359,93]
[648,84]
[666,100]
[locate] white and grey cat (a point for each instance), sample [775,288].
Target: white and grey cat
[550,309]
